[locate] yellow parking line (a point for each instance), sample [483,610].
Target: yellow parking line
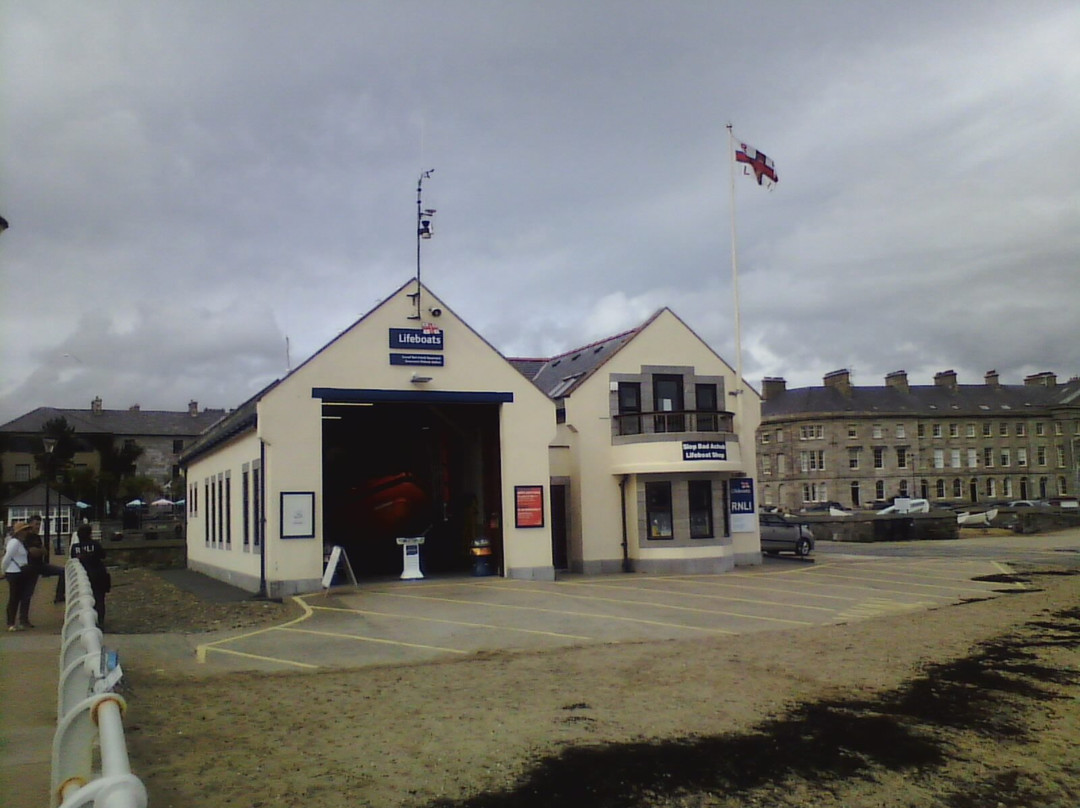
[637,588]
[897,583]
[452,622]
[276,660]
[200,650]
[614,600]
[688,579]
[378,640]
[1005,569]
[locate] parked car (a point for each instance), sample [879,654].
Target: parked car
[779,535]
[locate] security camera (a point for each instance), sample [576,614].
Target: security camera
[435,311]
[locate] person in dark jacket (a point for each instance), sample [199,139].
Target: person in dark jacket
[91,555]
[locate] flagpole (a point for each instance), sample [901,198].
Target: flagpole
[735,279]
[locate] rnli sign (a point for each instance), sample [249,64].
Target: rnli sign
[428,338]
[742,505]
[704,450]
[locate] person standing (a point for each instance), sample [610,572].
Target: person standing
[16,559]
[91,555]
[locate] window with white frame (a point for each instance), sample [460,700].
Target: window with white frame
[814,492]
[1021,429]
[1061,486]
[1006,458]
[812,460]
[779,436]
[766,464]
[954,430]
[972,458]
[901,457]
[954,458]
[1040,455]
[877,431]
[901,431]
[1003,429]
[879,457]
[939,489]
[765,437]
[1040,429]
[22,473]
[811,432]
[1057,428]
[1021,457]
[935,430]
[853,458]
[987,429]
[991,487]
[988,457]
[852,431]
[971,430]
[920,430]
[1060,457]
[939,458]
[957,488]
[903,488]
[879,489]
[1007,487]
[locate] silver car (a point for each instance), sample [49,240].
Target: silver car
[779,535]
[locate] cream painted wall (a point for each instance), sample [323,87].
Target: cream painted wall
[664,341]
[290,423]
[231,563]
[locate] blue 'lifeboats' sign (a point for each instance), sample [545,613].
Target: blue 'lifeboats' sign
[704,450]
[427,338]
[742,495]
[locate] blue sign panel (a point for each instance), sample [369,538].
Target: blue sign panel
[428,338]
[417,360]
[704,450]
[742,495]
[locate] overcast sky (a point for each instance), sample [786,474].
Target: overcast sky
[189,184]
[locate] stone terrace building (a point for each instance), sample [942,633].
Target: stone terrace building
[958,443]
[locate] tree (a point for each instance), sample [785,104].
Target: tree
[60,457]
[117,463]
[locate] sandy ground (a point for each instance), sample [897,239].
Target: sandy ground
[964,706]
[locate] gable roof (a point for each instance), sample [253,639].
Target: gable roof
[35,495]
[158,423]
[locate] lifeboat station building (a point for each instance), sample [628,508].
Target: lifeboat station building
[632,454]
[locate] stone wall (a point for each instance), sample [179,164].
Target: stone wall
[872,527]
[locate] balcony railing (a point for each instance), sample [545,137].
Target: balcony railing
[649,423]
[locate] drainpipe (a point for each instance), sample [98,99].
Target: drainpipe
[626,566]
[261,516]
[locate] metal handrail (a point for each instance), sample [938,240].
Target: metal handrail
[89,713]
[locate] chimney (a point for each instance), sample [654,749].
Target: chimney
[133,408]
[1044,379]
[992,379]
[772,386]
[95,406]
[193,408]
[946,379]
[839,380]
[898,381]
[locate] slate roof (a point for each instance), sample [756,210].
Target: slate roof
[560,375]
[924,400]
[35,496]
[133,423]
[240,420]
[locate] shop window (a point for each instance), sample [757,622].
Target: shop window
[658,510]
[701,512]
[629,408]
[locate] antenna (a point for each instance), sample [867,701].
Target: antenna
[424,229]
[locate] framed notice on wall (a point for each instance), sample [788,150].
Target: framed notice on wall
[528,506]
[297,514]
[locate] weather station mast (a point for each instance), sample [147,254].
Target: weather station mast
[425,227]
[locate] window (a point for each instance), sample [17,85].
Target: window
[879,489]
[987,429]
[1007,487]
[1061,486]
[658,510]
[1003,429]
[1060,457]
[178,446]
[939,458]
[701,516]
[852,431]
[1006,458]
[779,436]
[766,464]
[879,457]
[22,472]
[781,464]
[811,432]
[957,488]
[901,457]
[256,505]
[813,460]
[954,458]
[668,403]
[991,487]
[221,508]
[1021,457]
[707,420]
[1021,429]
[903,488]
[972,458]
[920,430]
[988,457]
[765,437]
[228,509]
[924,489]
[877,431]
[939,489]
[936,430]
[1040,455]
[629,408]
[814,492]
[901,431]
[1040,429]
[245,502]
[970,430]
[1057,428]
[853,458]
[954,430]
